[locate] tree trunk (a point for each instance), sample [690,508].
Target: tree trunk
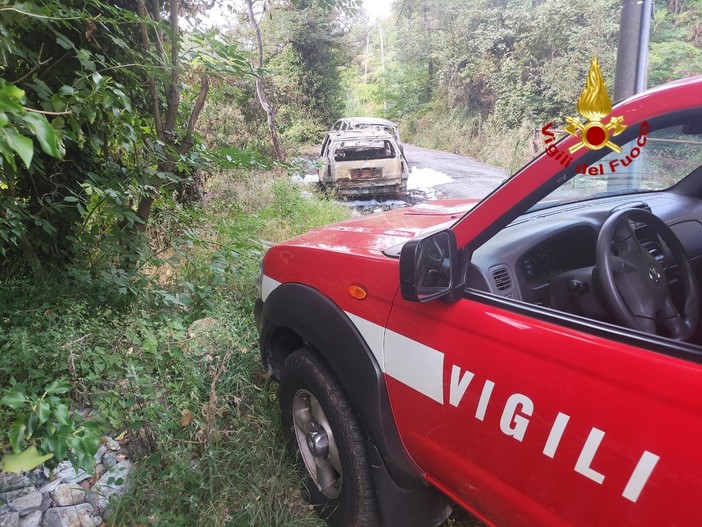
[166,130]
[260,93]
[24,244]
[430,69]
[146,202]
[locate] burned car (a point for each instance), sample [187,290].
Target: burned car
[362,163]
[362,123]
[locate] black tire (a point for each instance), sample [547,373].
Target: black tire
[326,442]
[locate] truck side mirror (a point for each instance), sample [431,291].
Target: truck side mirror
[429,267]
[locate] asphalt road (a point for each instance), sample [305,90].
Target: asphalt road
[472,179]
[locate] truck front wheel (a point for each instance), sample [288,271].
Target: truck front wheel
[327,442]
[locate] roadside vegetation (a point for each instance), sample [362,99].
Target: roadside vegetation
[479,78]
[174,366]
[137,197]
[139,189]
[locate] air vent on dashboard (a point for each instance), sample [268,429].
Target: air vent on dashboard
[655,251]
[502,278]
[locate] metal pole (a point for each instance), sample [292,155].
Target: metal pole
[631,74]
[628,49]
[644,34]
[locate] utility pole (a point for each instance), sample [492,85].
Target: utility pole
[382,62]
[632,71]
[632,51]
[382,47]
[365,73]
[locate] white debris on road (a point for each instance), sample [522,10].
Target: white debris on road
[419,179]
[424,178]
[375,202]
[419,187]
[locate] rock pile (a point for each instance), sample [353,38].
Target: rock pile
[67,498]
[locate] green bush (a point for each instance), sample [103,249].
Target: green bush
[46,432]
[175,370]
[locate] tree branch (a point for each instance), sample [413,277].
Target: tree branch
[156,110]
[189,139]
[260,93]
[34,15]
[32,110]
[39,64]
[257,32]
[156,15]
[173,91]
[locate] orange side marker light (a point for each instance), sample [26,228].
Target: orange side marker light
[358,292]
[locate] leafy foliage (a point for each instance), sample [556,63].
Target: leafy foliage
[175,370]
[112,144]
[506,60]
[676,44]
[99,107]
[46,50]
[494,70]
[46,432]
[305,46]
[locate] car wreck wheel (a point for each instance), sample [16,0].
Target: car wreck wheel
[324,437]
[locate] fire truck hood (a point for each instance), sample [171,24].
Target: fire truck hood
[379,232]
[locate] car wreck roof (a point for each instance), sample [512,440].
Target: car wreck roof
[360,134]
[370,120]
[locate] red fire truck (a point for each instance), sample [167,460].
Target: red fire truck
[534,357]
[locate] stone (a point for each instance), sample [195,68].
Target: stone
[50,487]
[33,519]
[197,331]
[22,501]
[109,459]
[202,326]
[45,502]
[9,482]
[8,518]
[68,494]
[111,443]
[37,476]
[67,474]
[82,515]
[100,452]
[86,484]
[89,517]
[111,485]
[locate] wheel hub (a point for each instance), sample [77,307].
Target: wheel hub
[317,440]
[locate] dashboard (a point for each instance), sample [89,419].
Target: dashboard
[569,250]
[547,257]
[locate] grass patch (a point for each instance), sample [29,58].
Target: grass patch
[468,135]
[174,367]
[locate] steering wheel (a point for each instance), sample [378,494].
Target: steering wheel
[634,285]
